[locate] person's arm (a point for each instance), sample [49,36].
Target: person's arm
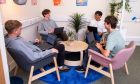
[41,29]
[55,24]
[46,52]
[103,51]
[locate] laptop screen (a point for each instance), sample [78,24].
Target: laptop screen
[92,29]
[58,30]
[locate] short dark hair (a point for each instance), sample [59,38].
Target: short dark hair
[11,25]
[112,20]
[45,11]
[98,13]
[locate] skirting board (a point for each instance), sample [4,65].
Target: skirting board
[133,38]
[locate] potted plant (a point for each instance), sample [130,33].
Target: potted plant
[115,6]
[77,21]
[71,35]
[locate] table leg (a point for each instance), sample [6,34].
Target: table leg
[81,57]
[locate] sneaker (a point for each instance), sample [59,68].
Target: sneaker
[63,68]
[80,69]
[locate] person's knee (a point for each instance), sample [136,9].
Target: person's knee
[60,47]
[64,35]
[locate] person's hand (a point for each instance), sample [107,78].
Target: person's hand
[54,50]
[103,42]
[51,30]
[100,33]
[37,40]
[87,31]
[98,45]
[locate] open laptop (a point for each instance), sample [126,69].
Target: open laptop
[58,30]
[92,29]
[43,46]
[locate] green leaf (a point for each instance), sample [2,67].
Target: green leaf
[77,22]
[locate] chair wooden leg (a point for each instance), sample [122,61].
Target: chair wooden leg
[31,74]
[56,67]
[81,57]
[88,66]
[16,69]
[111,74]
[126,68]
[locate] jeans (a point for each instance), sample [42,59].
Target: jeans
[97,37]
[85,59]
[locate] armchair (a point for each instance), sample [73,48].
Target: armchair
[115,63]
[26,64]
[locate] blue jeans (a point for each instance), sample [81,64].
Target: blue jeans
[97,37]
[85,59]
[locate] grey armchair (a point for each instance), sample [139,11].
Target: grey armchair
[26,64]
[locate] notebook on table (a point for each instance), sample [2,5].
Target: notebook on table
[58,30]
[92,29]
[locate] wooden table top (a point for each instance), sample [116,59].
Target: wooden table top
[75,46]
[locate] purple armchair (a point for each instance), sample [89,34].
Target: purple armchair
[115,63]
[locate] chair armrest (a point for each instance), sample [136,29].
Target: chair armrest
[49,55]
[99,58]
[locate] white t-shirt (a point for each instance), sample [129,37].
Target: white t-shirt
[99,24]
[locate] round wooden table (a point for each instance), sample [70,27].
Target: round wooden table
[75,46]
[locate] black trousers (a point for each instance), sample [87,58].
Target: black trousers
[61,54]
[62,36]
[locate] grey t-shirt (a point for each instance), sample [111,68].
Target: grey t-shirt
[30,50]
[46,25]
[115,42]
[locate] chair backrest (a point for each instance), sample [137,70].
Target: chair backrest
[20,58]
[99,58]
[123,55]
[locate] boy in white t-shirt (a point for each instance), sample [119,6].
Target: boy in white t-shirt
[99,23]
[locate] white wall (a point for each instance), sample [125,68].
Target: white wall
[132,26]
[69,7]
[23,13]
[20,12]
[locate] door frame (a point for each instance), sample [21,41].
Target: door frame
[2,78]
[3,53]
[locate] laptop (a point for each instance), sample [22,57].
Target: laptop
[58,30]
[92,29]
[43,46]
